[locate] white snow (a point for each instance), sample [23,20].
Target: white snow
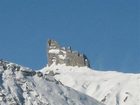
[22,86]
[109,87]
[26,87]
[62,56]
[55,51]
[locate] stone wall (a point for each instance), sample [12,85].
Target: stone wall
[62,55]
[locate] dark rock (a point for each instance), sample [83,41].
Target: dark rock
[28,73]
[39,74]
[51,73]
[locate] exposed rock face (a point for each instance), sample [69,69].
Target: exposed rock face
[62,55]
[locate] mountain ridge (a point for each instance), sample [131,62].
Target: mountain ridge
[23,86]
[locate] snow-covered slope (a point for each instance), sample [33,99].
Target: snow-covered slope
[110,88]
[22,86]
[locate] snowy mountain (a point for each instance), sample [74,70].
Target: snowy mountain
[22,86]
[66,80]
[108,87]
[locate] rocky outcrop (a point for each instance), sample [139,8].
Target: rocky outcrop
[62,55]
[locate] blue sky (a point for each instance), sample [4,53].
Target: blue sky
[107,31]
